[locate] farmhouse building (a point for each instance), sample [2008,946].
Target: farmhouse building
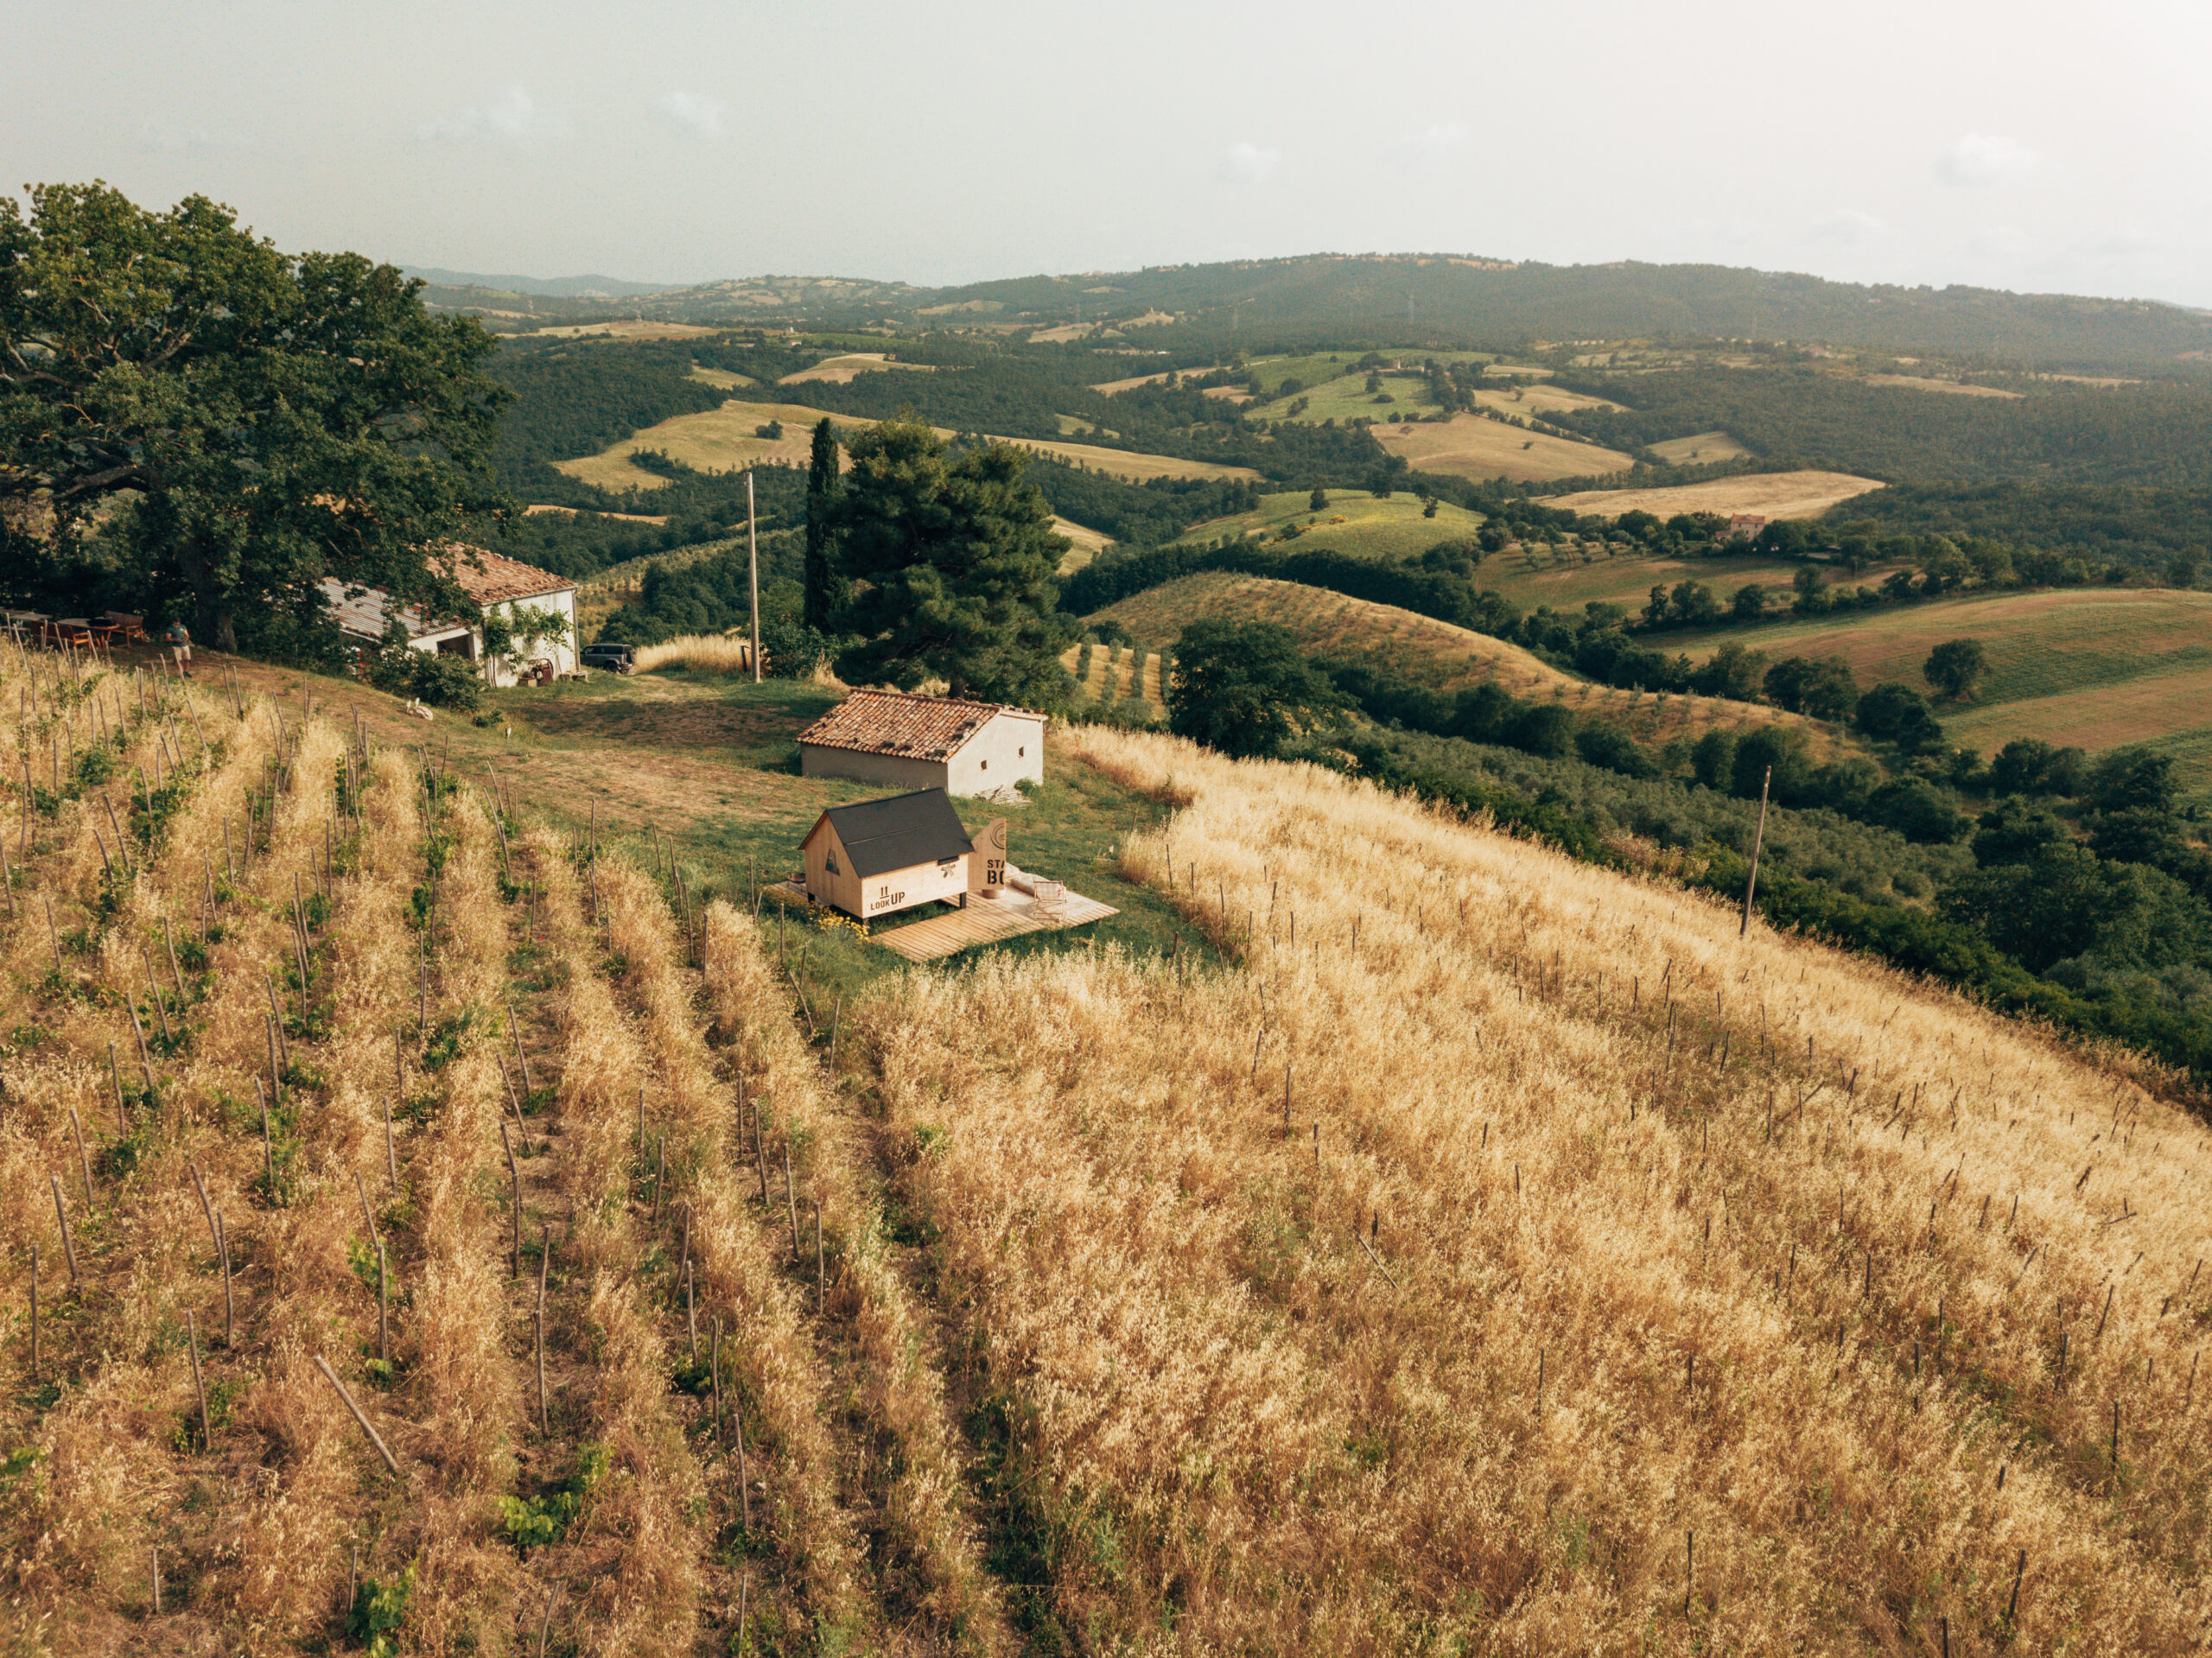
[1745,526]
[500,587]
[893,739]
[876,856]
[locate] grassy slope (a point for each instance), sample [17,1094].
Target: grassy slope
[1771,494]
[1096,1352]
[1268,1267]
[1371,526]
[1476,447]
[1435,652]
[2094,667]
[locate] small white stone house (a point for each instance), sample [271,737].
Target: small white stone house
[497,585]
[899,740]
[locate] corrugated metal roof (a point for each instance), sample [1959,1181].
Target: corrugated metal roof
[897,832]
[896,723]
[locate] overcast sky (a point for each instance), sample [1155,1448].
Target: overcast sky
[2011,143]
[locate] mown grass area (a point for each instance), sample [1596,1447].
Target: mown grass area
[1355,521]
[1313,369]
[2099,668]
[747,809]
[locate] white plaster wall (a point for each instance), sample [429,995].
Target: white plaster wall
[563,654]
[1004,751]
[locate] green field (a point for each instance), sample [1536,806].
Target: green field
[1565,577]
[1372,526]
[2098,667]
[1312,368]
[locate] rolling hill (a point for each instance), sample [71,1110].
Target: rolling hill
[1448,300]
[499,1225]
[2093,668]
[1432,652]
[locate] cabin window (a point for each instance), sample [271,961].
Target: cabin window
[986,765]
[1021,753]
[830,864]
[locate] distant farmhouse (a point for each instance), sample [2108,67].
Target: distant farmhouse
[501,587]
[1745,526]
[926,742]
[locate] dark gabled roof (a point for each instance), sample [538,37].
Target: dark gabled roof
[898,832]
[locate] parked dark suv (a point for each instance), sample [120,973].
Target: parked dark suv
[609,659]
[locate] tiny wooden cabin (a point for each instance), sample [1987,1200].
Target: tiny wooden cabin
[877,856]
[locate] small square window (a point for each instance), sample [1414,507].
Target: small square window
[986,765]
[1021,753]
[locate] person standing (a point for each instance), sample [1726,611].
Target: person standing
[179,640]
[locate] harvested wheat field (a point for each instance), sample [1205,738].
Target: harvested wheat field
[1432,652]
[1924,383]
[1408,1284]
[1699,450]
[1474,445]
[842,371]
[1128,464]
[727,439]
[1771,494]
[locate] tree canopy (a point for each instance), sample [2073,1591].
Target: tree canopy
[1244,687]
[1955,666]
[955,556]
[195,423]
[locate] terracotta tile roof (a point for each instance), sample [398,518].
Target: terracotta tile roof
[894,722]
[502,578]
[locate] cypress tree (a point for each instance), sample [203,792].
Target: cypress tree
[825,586]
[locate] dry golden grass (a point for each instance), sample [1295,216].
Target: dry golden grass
[932,1565]
[1123,463]
[842,371]
[1264,1267]
[715,440]
[1921,383]
[1083,544]
[700,653]
[1475,446]
[1700,448]
[1770,494]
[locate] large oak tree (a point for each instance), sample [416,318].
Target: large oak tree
[196,422]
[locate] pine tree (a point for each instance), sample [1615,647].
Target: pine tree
[825,584]
[957,556]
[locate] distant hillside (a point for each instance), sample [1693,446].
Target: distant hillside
[542,287]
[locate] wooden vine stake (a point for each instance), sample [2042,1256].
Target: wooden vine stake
[61,1219]
[1758,839]
[514,1173]
[544,1255]
[199,1383]
[360,1416]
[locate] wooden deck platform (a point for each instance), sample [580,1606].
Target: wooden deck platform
[985,922]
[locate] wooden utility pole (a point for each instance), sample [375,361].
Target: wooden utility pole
[753,563]
[1758,839]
